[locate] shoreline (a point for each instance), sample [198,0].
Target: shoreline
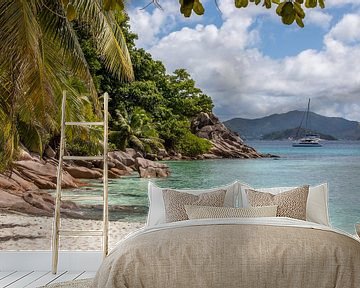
[25,232]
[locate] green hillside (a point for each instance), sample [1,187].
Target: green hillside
[290,133]
[339,128]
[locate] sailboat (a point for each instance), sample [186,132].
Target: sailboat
[310,139]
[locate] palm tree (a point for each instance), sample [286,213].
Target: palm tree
[135,129]
[40,56]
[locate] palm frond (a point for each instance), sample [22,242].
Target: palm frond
[30,136]
[26,89]
[58,32]
[109,38]
[136,142]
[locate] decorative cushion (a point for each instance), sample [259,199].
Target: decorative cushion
[156,214]
[317,210]
[175,201]
[290,203]
[201,212]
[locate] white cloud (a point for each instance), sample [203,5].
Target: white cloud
[318,18]
[148,24]
[347,30]
[229,10]
[152,22]
[336,3]
[242,81]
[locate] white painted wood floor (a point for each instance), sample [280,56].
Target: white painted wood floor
[31,269]
[32,279]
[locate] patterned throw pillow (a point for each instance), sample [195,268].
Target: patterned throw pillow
[201,212]
[175,201]
[290,203]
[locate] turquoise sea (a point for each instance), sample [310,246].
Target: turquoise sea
[337,162]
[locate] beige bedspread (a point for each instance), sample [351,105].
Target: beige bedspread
[233,255]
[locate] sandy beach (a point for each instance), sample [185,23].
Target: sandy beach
[23,232]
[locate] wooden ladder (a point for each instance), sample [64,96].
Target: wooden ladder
[57,231]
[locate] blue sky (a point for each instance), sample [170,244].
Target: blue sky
[251,64]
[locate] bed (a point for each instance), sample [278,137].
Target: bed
[234,251]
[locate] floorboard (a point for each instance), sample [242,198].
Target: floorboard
[4,274]
[35,279]
[68,276]
[12,278]
[87,275]
[44,280]
[28,279]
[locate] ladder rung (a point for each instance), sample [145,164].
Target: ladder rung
[80,198]
[83,157]
[84,233]
[84,123]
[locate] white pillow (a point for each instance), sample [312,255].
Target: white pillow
[156,214]
[317,203]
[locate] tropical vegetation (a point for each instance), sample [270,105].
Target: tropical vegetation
[43,53]
[155,110]
[41,56]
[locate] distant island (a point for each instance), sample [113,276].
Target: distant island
[285,125]
[289,134]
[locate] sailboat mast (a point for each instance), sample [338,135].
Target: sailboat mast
[310,139]
[307,116]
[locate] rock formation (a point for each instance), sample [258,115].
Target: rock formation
[151,169]
[20,188]
[226,144]
[22,195]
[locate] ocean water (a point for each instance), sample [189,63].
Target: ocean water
[337,163]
